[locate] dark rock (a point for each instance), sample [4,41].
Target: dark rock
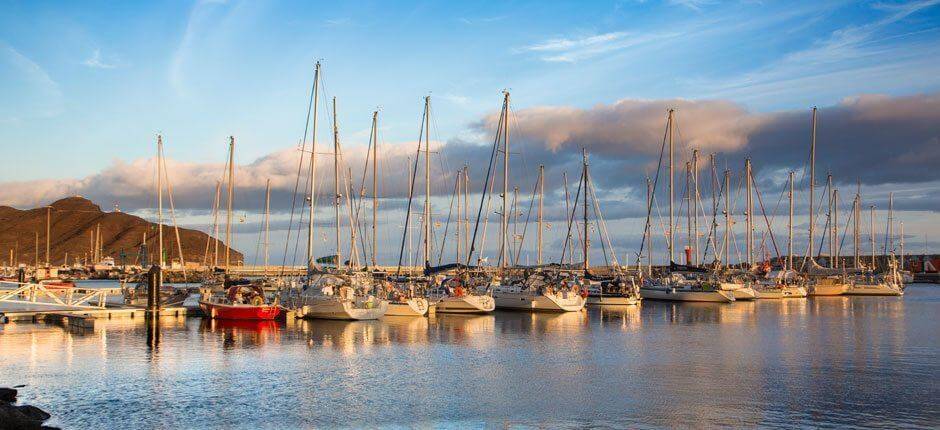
[33,413]
[7,395]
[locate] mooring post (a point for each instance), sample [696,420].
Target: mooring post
[154,282]
[21,275]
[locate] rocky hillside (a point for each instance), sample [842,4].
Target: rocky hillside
[75,222]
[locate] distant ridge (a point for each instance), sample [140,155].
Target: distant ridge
[74,224]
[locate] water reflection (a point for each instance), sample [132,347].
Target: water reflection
[827,361]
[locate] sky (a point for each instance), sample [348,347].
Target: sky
[87,86]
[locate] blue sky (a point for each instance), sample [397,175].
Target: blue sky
[87,85]
[89,81]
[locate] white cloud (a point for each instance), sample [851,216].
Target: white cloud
[570,50]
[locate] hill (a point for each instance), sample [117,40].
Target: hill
[75,222]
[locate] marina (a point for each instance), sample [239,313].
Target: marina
[795,362]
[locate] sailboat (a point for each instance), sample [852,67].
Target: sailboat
[466,292]
[532,290]
[240,299]
[821,281]
[692,284]
[403,299]
[784,283]
[341,293]
[889,283]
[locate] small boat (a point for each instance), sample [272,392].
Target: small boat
[542,292]
[340,297]
[781,284]
[57,284]
[618,291]
[827,286]
[403,301]
[460,295]
[677,288]
[240,302]
[739,290]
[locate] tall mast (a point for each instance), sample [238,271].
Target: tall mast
[649,234]
[671,180]
[228,214]
[466,211]
[336,194]
[871,235]
[538,255]
[427,181]
[267,222]
[835,229]
[568,239]
[505,210]
[728,232]
[586,242]
[375,174]
[856,215]
[812,184]
[750,208]
[311,260]
[695,211]
[159,203]
[889,232]
[215,223]
[688,211]
[37,248]
[48,231]
[830,232]
[790,227]
[458,190]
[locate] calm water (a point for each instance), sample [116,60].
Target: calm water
[838,362]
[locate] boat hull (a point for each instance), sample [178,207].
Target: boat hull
[744,293]
[782,292]
[342,310]
[413,307]
[469,304]
[872,290]
[239,312]
[558,302]
[680,295]
[598,300]
[835,289]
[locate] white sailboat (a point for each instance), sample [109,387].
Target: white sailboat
[820,282]
[344,293]
[676,286]
[538,291]
[783,284]
[889,283]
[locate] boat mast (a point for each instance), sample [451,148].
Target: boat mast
[458,190]
[671,243]
[812,184]
[649,234]
[857,214]
[889,231]
[586,243]
[749,222]
[538,254]
[336,194]
[48,231]
[871,235]
[728,231]
[375,174]
[831,220]
[790,227]
[695,211]
[228,215]
[505,213]
[688,211]
[311,260]
[215,222]
[901,234]
[427,181]
[159,203]
[835,229]
[267,222]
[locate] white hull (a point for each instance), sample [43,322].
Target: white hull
[556,302]
[612,300]
[744,293]
[872,290]
[335,309]
[827,290]
[681,295]
[413,307]
[781,292]
[469,304]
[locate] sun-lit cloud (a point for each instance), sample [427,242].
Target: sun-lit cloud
[570,50]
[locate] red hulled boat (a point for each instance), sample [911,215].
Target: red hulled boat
[240,302]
